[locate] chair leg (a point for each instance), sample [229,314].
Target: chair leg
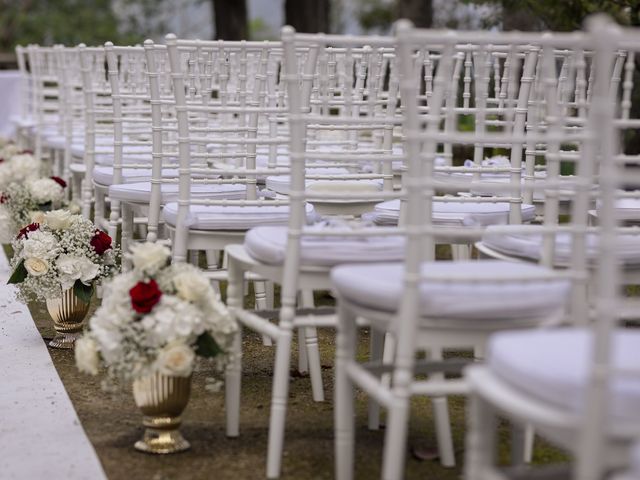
[313,351]
[395,442]
[279,398]
[127,234]
[480,438]
[443,423]
[233,374]
[114,218]
[344,396]
[261,304]
[529,440]
[376,353]
[99,209]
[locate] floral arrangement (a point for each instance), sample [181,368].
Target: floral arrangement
[25,202]
[17,165]
[156,318]
[61,251]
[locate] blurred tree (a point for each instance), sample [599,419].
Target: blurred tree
[379,15]
[230,18]
[420,12]
[60,21]
[311,16]
[562,15]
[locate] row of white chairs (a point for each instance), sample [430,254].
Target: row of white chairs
[243,146]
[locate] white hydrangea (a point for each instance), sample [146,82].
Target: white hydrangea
[46,190]
[24,167]
[40,244]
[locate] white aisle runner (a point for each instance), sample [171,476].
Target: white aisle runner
[40,434]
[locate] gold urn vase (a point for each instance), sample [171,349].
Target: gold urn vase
[162,399]
[68,313]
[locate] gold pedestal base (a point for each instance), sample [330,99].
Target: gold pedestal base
[162,442]
[68,314]
[162,399]
[65,341]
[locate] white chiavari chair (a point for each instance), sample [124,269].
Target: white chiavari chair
[24,120]
[331,123]
[46,86]
[578,386]
[428,305]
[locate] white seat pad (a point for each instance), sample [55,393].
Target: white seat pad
[104,175]
[530,246]
[553,366]
[268,245]
[281,183]
[456,213]
[479,296]
[141,191]
[78,168]
[232,217]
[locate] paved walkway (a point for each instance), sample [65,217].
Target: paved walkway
[40,434]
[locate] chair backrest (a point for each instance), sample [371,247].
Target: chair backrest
[27,92]
[98,113]
[229,108]
[44,70]
[366,115]
[619,181]
[425,133]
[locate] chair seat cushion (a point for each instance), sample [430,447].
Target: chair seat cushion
[477,294]
[141,191]
[281,183]
[456,213]
[78,168]
[59,141]
[530,246]
[553,366]
[103,175]
[232,217]
[22,122]
[269,245]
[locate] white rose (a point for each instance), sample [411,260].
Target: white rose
[149,257]
[86,353]
[175,360]
[36,267]
[76,268]
[41,245]
[191,286]
[58,219]
[74,208]
[46,190]
[36,216]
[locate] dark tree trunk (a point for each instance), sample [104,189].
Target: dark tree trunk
[230,19]
[310,16]
[420,12]
[516,16]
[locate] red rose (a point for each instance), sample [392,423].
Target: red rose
[101,242]
[144,296]
[24,232]
[26,152]
[1,159]
[59,181]
[4,198]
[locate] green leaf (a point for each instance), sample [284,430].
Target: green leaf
[82,291]
[19,274]
[206,346]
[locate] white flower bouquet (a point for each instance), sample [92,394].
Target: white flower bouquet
[155,318]
[62,251]
[17,165]
[25,202]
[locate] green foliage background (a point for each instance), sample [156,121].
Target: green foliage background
[61,21]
